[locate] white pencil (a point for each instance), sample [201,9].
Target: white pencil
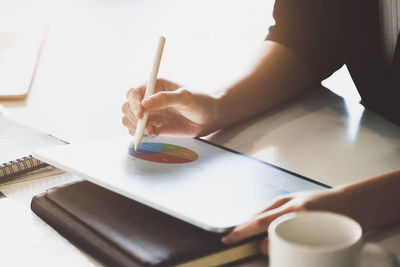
[151,83]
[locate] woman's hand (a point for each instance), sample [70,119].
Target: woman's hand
[178,111]
[172,109]
[335,200]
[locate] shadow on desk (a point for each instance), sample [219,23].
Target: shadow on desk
[314,134]
[286,113]
[314,101]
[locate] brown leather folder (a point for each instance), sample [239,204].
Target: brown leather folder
[119,231]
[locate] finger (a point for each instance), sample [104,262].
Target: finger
[277,203]
[149,129]
[165,85]
[135,97]
[257,225]
[125,108]
[156,131]
[127,111]
[155,123]
[164,99]
[156,119]
[131,125]
[264,246]
[137,91]
[173,129]
[131,121]
[152,130]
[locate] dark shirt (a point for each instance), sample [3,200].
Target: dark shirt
[330,33]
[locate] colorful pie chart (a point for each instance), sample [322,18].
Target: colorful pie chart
[163,153]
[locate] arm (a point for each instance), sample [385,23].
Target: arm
[278,75]
[301,51]
[376,200]
[372,202]
[175,110]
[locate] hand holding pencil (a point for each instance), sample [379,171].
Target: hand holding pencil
[171,110]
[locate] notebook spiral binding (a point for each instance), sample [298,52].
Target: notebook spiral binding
[20,166]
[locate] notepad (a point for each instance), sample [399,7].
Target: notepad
[17,142]
[119,231]
[19,57]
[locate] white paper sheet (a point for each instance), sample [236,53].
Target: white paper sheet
[216,191]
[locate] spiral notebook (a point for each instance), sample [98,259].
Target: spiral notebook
[17,142]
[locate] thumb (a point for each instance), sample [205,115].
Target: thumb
[164,99]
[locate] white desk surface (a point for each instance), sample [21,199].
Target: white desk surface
[96,50]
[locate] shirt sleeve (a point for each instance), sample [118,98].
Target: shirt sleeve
[301,28]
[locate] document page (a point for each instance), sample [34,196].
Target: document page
[18,140]
[19,53]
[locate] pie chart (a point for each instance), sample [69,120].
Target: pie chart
[163,153]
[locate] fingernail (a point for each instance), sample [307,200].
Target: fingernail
[131,106]
[146,102]
[226,239]
[156,124]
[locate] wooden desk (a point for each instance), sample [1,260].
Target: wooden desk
[96,50]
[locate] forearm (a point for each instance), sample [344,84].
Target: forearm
[277,75]
[376,201]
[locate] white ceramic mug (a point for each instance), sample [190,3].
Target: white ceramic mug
[314,239]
